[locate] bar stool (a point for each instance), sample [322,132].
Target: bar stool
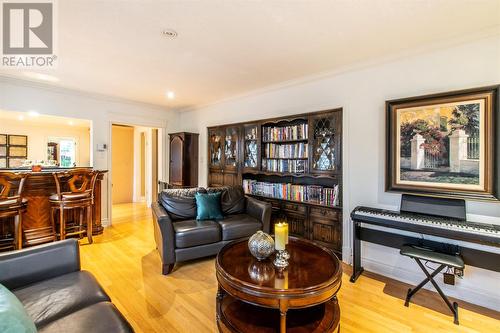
[75,191]
[12,203]
[444,260]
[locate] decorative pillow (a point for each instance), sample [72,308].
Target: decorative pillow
[13,316]
[180,204]
[208,206]
[232,199]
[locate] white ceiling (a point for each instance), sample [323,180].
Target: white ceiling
[227,48]
[43,120]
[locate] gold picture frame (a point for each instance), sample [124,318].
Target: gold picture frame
[444,144]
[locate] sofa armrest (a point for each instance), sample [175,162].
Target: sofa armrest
[260,210]
[20,268]
[164,234]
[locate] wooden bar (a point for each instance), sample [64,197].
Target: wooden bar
[37,226]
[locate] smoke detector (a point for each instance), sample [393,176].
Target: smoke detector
[170,33]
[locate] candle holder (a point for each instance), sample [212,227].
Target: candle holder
[281,259]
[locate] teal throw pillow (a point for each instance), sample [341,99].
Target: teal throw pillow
[208,206]
[13,316]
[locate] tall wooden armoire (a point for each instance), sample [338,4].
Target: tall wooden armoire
[183,169]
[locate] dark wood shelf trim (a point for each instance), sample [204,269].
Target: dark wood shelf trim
[291,174]
[286,141]
[286,158]
[295,201]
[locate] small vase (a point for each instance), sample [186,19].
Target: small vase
[261,245]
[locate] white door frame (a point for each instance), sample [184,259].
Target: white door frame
[120,119]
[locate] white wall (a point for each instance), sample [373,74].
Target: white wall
[19,95]
[362,94]
[39,134]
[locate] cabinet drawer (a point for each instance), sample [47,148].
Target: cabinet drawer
[275,204]
[327,213]
[295,208]
[296,224]
[327,232]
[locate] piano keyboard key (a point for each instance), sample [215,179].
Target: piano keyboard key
[430,221]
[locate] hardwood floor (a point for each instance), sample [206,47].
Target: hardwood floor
[125,262]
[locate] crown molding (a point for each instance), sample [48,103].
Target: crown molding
[489,32]
[8,79]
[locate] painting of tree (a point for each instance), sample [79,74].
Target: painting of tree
[434,139]
[466,116]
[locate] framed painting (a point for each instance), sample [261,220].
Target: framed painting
[444,144]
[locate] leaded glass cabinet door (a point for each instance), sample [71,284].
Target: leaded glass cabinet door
[251,147]
[325,138]
[216,143]
[231,140]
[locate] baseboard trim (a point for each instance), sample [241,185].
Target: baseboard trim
[105,222]
[346,254]
[475,296]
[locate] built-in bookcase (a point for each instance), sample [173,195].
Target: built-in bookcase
[294,162]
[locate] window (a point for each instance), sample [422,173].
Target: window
[64,149]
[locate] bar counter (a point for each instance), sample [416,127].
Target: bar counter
[39,186]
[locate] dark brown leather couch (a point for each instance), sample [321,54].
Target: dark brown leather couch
[56,294]
[180,237]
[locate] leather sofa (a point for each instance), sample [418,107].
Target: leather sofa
[56,294]
[180,237]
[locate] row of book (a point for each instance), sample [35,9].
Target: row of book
[295,150]
[285,133]
[293,166]
[304,193]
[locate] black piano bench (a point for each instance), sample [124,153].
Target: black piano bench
[444,260]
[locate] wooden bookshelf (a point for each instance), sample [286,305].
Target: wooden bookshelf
[244,145]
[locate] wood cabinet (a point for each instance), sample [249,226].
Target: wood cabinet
[224,156]
[183,170]
[293,162]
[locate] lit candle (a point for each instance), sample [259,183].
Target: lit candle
[280,235]
[286,236]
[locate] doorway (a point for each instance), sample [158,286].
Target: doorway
[134,168]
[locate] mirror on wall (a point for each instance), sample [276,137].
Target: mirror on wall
[31,138]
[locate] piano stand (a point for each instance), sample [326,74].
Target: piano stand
[357,269]
[445,260]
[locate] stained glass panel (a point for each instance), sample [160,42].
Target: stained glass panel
[230,146]
[324,144]
[251,147]
[215,147]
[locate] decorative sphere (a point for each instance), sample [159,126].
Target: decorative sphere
[261,245]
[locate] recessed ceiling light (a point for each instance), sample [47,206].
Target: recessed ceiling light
[170,95]
[170,33]
[20,117]
[33,113]
[71,123]
[41,77]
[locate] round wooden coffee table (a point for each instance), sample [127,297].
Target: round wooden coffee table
[254,296]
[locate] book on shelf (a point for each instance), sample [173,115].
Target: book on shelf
[326,196]
[286,151]
[284,165]
[285,133]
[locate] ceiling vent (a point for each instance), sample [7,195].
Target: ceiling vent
[170,33]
